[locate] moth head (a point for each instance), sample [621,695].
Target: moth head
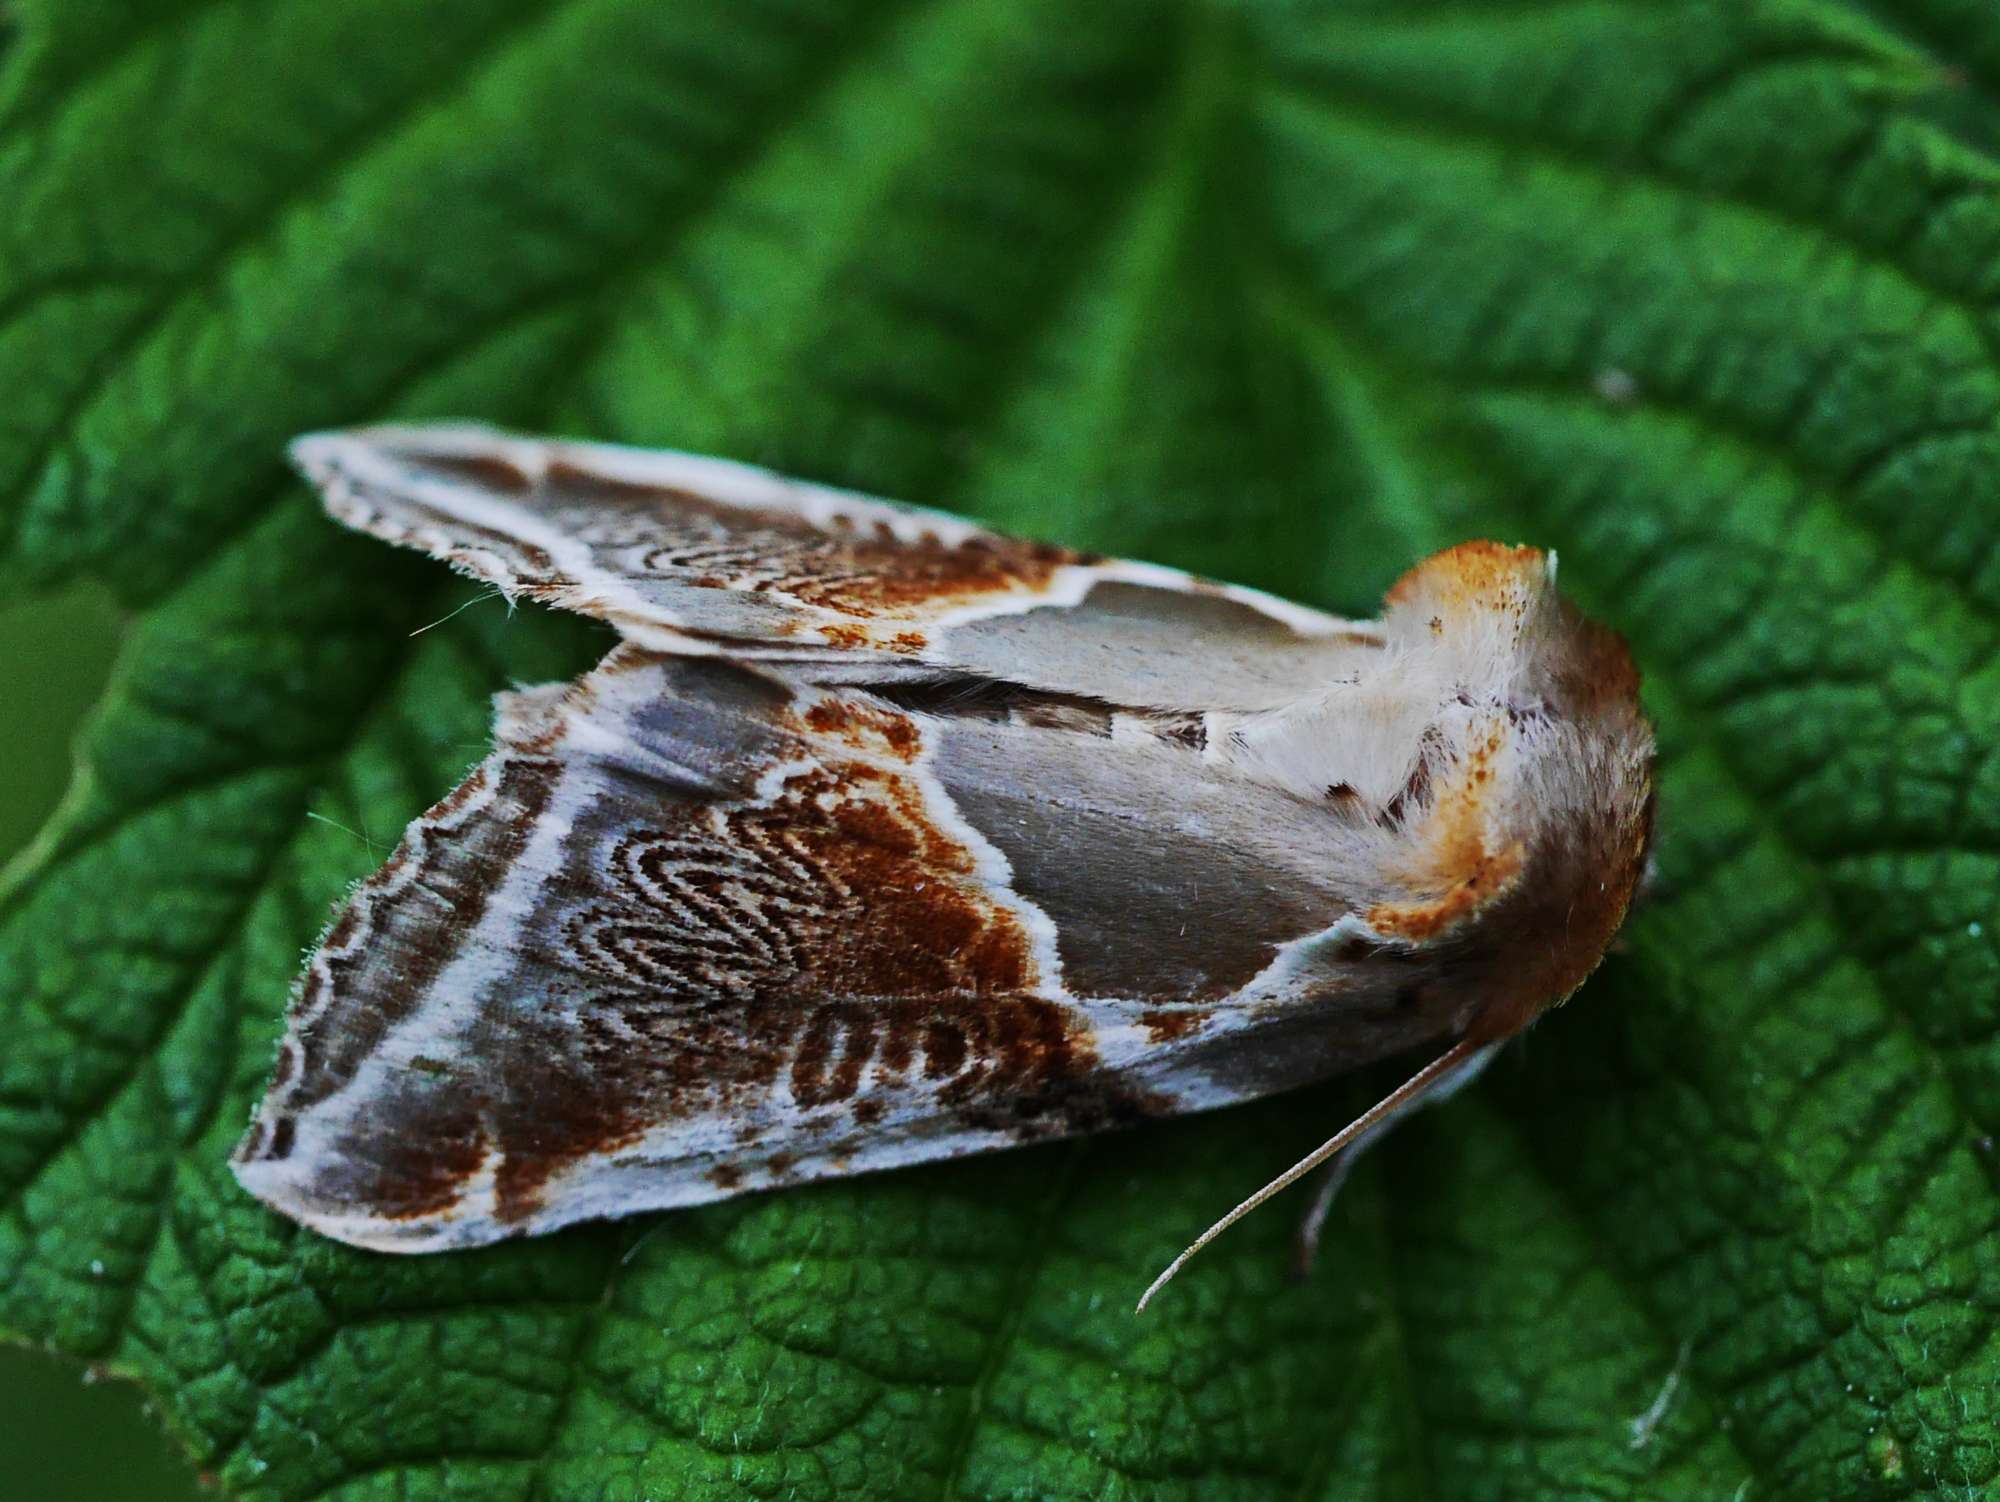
[1533,782]
[1489,777]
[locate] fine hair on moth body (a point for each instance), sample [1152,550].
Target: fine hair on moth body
[879,839]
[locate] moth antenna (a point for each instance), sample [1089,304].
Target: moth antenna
[492,593]
[1384,1108]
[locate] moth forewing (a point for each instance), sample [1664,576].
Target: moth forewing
[884,839]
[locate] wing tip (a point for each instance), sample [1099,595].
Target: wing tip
[319,456]
[280,1185]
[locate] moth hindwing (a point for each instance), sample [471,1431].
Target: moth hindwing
[880,838]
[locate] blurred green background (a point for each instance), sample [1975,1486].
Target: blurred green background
[64,1437]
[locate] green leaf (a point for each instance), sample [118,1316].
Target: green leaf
[1702,295]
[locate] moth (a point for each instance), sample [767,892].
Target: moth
[879,838]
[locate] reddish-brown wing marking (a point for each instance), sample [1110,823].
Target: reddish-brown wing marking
[885,840]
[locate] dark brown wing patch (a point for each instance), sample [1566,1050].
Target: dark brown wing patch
[447,867]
